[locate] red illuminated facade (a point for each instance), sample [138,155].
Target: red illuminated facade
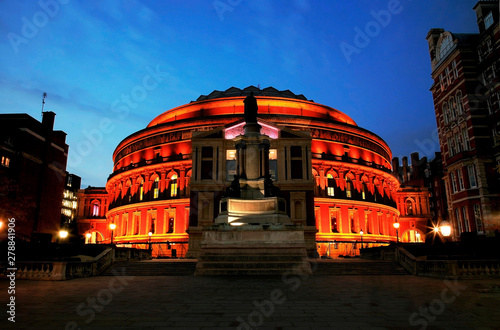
[344,171]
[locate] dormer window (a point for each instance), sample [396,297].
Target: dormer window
[445,46]
[488,21]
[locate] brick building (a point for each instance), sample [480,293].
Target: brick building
[466,93]
[32,173]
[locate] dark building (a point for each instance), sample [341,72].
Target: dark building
[70,202]
[32,173]
[466,92]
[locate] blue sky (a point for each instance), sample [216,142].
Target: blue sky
[90,57]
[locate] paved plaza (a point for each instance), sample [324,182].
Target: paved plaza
[316,302]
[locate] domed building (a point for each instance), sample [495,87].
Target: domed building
[335,176]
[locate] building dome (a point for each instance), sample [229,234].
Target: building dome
[354,189]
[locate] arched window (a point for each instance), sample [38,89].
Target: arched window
[409,207]
[451,105]
[173,185]
[95,208]
[348,187]
[446,114]
[445,46]
[156,189]
[141,190]
[460,103]
[334,225]
[331,185]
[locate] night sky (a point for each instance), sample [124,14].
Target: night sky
[110,67]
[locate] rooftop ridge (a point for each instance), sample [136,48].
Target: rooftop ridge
[268,91]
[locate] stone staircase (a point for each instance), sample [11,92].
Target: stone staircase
[253,265]
[356,267]
[152,268]
[248,262]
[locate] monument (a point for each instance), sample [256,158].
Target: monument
[252,235]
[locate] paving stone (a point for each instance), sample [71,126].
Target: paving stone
[191,302]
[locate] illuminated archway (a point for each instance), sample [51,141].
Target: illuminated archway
[413,236]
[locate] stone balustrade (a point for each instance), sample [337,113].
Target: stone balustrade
[461,269]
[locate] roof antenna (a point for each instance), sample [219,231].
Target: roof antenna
[43,101]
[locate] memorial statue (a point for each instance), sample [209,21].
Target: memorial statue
[234,189]
[250,108]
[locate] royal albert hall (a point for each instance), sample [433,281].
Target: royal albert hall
[343,172]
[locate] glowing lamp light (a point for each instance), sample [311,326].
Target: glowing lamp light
[396,226]
[445,229]
[88,235]
[63,234]
[112,226]
[150,234]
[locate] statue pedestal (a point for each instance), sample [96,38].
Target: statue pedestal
[242,211]
[260,249]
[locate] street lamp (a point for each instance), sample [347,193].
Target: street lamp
[63,234]
[361,233]
[445,229]
[396,225]
[112,226]
[418,236]
[88,235]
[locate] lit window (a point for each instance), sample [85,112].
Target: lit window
[334,225]
[472,176]
[348,189]
[5,161]
[363,191]
[331,185]
[156,189]
[409,207]
[466,219]
[478,219]
[488,21]
[95,209]
[141,190]
[173,186]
